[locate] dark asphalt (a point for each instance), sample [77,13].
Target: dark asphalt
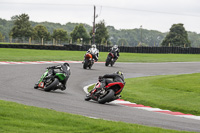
[17,83]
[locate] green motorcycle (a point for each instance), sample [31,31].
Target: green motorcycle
[54,78]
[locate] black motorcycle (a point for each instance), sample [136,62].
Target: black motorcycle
[54,78]
[110,59]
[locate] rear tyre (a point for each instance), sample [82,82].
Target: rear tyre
[85,65]
[111,63]
[107,97]
[52,85]
[107,61]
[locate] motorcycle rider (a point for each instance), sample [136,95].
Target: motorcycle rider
[116,77]
[110,78]
[94,52]
[63,69]
[115,51]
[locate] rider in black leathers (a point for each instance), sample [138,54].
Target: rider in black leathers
[115,51]
[116,77]
[63,69]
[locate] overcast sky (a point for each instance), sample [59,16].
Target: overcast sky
[122,14]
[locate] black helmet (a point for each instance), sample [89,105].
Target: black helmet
[66,64]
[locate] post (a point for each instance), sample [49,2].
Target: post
[53,41]
[42,42]
[93,32]
[29,40]
[141,34]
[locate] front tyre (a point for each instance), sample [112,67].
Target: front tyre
[87,98]
[52,85]
[107,97]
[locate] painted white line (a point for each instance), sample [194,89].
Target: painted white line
[36,62]
[118,102]
[85,88]
[190,116]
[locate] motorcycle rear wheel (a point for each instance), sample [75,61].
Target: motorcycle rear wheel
[52,85]
[106,98]
[107,61]
[85,65]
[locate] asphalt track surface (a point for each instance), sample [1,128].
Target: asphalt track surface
[17,81]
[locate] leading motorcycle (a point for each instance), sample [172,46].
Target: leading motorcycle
[105,93]
[55,77]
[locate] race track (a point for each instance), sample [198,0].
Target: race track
[17,83]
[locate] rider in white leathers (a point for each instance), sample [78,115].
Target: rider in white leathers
[94,52]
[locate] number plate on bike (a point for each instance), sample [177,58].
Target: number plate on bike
[41,85]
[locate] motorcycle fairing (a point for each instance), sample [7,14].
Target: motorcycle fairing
[121,85]
[111,54]
[88,56]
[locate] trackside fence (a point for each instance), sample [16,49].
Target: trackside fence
[73,47]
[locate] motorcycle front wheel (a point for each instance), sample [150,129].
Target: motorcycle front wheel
[51,86]
[107,97]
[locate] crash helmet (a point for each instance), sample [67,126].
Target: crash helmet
[120,73]
[115,46]
[66,64]
[94,46]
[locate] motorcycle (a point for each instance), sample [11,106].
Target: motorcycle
[110,59]
[55,77]
[105,93]
[88,61]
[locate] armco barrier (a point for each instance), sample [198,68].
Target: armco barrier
[175,50]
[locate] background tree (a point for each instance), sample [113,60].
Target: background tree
[132,36]
[122,42]
[40,32]
[60,35]
[2,37]
[176,37]
[22,27]
[80,32]
[101,33]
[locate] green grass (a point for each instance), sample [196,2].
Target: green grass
[8,54]
[18,118]
[173,92]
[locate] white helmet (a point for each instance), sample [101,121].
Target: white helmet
[94,46]
[115,46]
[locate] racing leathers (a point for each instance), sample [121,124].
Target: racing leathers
[115,51]
[94,52]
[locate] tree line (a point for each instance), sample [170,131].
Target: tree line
[22,30]
[77,33]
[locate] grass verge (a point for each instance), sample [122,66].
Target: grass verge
[18,118]
[9,54]
[171,92]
